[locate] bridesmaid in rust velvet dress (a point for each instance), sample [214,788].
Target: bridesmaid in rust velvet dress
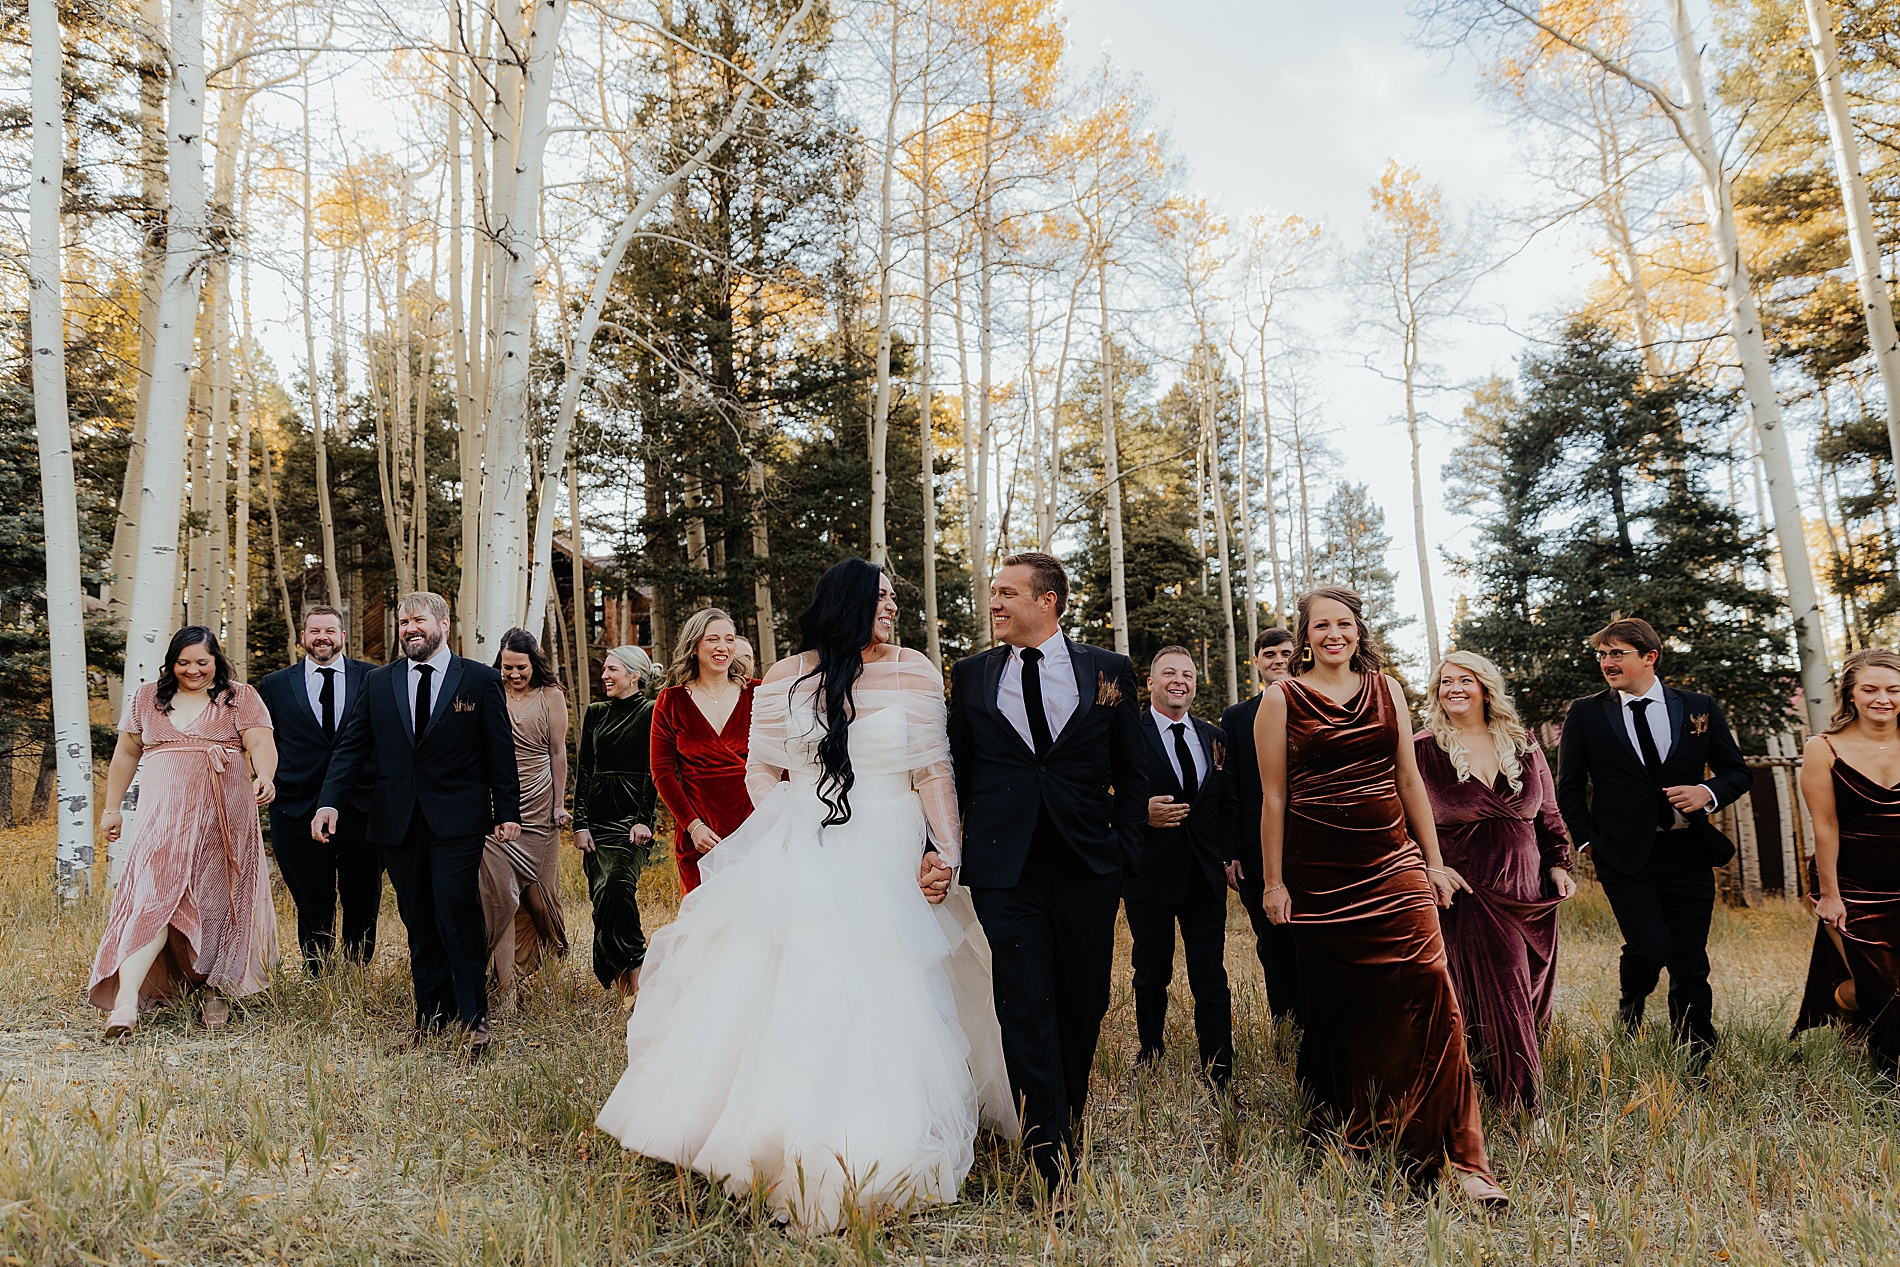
[1850,778]
[1495,808]
[700,725]
[1383,1053]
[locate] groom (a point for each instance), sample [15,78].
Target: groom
[1045,735]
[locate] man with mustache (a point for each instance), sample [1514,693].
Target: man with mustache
[433,736]
[310,705]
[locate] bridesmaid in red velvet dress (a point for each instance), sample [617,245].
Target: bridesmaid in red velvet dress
[1850,778]
[1495,807]
[700,724]
[1383,1053]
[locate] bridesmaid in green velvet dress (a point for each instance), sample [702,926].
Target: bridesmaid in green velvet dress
[613,816]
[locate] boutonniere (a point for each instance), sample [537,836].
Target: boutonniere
[1698,723]
[462,704]
[1107,694]
[1220,755]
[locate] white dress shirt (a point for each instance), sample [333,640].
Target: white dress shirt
[1194,746]
[313,685]
[1059,696]
[440,663]
[1657,717]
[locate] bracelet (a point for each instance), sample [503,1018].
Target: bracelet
[1436,870]
[1271,889]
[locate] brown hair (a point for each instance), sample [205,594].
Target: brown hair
[1172,650]
[1367,657]
[1271,638]
[1634,630]
[1046,575]
[323,609]
[1845,712]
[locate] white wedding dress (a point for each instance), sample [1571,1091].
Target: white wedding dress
[809,1023]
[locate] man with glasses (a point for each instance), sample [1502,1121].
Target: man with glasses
[1642,766]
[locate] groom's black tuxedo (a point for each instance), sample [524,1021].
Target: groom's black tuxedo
[1046,838]
[1658,878]
[347,866]
[432,802]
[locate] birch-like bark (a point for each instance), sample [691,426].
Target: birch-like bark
[881,404]
[583,659]
[59,495]
[1862,235]
[155,579]
[1246,519]
[985,338]
[1210,443]
[1111,473]
[239,620]
[1419,542]
[926,374]
[581,349]
[319,442]
[1817,685]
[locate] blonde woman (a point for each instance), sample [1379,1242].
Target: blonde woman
[1495,808]
[700,724]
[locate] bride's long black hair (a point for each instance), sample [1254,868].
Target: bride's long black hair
[838,626]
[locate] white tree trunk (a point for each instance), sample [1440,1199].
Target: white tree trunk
[326,519]
[1112,475]
[1862,235]
[1210,442]
[926,380]
[881,404]
[154,607]
[1418,500]
[1817,684]
[1246,522]
[59,499]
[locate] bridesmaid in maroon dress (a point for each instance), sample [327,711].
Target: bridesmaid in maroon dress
[700,725]
[1383,1054]
[1495,808]
[1850,778]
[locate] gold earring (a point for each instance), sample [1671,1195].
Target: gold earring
[1307,656]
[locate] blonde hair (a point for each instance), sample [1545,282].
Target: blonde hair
[685,664]
[423,603]
[1846,712]
[634,661]
[1500,717]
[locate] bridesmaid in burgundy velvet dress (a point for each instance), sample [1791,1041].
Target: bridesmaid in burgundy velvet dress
[1495,807]
[1383,1053]
[701,722]
[1850,778]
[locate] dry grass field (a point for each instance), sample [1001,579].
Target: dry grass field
[290,1137]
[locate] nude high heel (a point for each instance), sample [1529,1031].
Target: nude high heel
[120,1023]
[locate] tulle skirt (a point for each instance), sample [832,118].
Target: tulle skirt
[809,1025]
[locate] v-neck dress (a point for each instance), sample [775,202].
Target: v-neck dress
[1383,1054]
[195,860]
[1869,872]
[1500,938]
[698,771]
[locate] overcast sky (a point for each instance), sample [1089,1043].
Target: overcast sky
[1295,107]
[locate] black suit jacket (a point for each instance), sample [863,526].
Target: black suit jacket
[1170,855]
[1240,804]
[461,778]
[1608,800]
[1093,782]
[303,750]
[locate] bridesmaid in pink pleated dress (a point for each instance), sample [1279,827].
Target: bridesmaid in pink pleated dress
[193,905]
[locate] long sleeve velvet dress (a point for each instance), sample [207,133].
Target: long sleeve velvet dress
[699,771]
[1500,938]
[1383,1054]
[613,791]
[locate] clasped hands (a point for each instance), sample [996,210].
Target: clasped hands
[933,877]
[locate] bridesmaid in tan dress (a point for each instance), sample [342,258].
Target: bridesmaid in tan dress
[521,903]
[193,906]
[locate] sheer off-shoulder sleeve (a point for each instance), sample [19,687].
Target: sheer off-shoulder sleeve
[768,750]
[927,754]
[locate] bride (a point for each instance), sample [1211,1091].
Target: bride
[818,1021]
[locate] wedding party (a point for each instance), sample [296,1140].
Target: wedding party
[930,630]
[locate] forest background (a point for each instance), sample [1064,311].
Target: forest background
[588,316]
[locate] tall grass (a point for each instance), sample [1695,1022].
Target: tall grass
[291,1136]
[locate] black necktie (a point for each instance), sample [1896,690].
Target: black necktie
[1032,700]
[1652,761]
[422,698]
[326,700]
[1185,755]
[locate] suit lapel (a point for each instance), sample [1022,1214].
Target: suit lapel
[992,687]
[1165,782]
[399,682]
[451,678]
[1083,664]
[1613,712]
[1673,699]
[355,673]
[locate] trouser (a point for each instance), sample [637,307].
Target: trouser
[320,874]
[1052,952]
[613,884]
[1202,917]
[1273,945]
[1664,912]
[437,883]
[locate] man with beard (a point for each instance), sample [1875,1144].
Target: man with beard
[310,705]
[434,736]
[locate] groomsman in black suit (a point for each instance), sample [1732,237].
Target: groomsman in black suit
[433,738]
[1240,827]
[1183,872]
[1045,735]
[1641,768]
[310,704]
